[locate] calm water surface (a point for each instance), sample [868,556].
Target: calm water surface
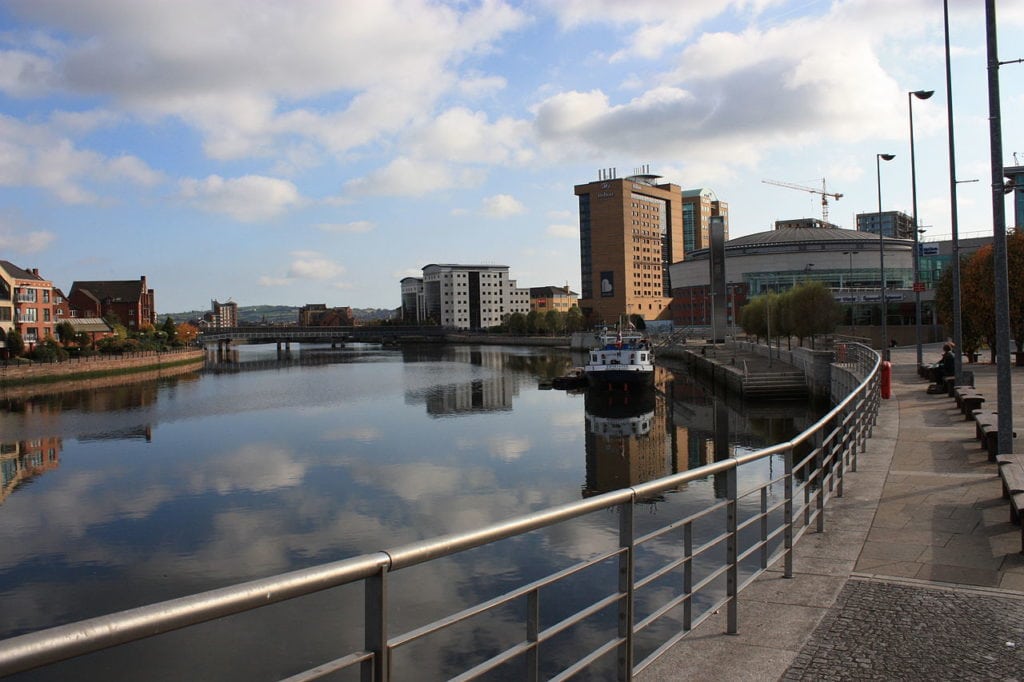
[119,497]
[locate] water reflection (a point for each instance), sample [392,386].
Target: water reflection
[266,465]
[20,461]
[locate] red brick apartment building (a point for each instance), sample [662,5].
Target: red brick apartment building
[27,303]
[132,301]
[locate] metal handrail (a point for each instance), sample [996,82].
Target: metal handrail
[834,439]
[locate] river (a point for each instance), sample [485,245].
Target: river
[119,497]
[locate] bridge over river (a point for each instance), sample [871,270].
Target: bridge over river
[333,335]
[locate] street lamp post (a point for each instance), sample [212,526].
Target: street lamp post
[919,94]
[881,251]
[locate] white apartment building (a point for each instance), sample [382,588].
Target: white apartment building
[466,296]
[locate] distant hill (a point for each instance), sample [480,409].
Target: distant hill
[277,314]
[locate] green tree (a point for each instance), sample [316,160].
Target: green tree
[553,321]
[170,329]
[48,350]
[15,344]
[516,324]
[65,332]
[753,317]
[812,310]
[573,320]
[533,322]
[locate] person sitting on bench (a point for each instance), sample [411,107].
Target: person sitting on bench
[946,367]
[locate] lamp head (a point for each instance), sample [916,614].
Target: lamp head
[886,157]
[923,94]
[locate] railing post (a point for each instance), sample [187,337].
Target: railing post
[732,549]
[688,577]
[764,527]
[819,464]
[626,590]
[532,634]
[787,511]
[375,624]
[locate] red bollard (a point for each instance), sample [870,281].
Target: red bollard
[886,380]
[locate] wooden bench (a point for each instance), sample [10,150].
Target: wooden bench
[982,417]
[1011,471]
[990,437]
[968,400]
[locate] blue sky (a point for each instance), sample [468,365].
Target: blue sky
[282,152]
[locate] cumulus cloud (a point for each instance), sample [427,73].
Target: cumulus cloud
[312,265]
[35,156]
[467,136]
[248,199]
[16,239]
[411,177]
[502,206]
[246,94]
[564,231]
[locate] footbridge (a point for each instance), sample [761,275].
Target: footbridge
[285,336]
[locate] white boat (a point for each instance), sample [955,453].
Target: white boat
[620,358]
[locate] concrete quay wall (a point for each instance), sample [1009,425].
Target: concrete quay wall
[41,372]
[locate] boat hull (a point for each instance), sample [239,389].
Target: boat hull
[611,378]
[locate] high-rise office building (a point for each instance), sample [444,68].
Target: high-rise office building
[631,230]
[699,206]
[895,224]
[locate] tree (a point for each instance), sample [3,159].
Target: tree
[65,332]
[15,344]
[977,278]
[573,320]
[533,322]
[812,310]
[754,316]
[169,329]
[1015,280]
[553,321]
[516,324]
[186,333]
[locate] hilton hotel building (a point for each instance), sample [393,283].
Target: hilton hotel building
[631,231]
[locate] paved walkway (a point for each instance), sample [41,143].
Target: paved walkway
[918,574]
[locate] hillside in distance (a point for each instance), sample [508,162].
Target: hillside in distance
[276,314]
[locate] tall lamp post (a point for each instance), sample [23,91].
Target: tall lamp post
[919,94]
[881,251]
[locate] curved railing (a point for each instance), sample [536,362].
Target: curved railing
[814,466]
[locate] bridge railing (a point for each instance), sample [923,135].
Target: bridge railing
[761,518]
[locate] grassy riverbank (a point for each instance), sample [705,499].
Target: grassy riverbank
[98,367]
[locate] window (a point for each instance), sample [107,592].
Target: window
[27,315]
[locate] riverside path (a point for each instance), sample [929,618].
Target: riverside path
[919,574]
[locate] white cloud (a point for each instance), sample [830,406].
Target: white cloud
[249,198]
[312,265]
[461,135]
[410,177]
[244,87]
[355,227]
[564,231]
[34,156]
[16,240]
[502,206]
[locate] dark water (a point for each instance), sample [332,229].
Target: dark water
[120,497]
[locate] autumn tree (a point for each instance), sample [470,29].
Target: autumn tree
[186,333]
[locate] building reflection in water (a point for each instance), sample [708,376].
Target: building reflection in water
[22,460]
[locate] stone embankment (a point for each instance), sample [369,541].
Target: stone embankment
[40,377]
[747,370]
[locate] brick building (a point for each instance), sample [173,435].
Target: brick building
[132,301]
[26,304]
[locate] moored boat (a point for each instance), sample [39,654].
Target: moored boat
[620,359]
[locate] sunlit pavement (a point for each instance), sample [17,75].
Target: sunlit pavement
[918,574]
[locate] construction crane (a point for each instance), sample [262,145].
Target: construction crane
[823,192]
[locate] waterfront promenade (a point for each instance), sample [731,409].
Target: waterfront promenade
[918,574]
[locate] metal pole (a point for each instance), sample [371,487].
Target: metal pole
[1004,390]
[954,226]
[920,94]
[881,253]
